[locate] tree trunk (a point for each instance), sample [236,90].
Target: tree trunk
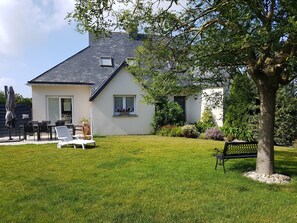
[265,159]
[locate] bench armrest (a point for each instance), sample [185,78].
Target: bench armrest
[217,151]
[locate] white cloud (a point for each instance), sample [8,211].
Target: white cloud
[28,22]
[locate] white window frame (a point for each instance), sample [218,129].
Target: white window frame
[124,98]
[60,106]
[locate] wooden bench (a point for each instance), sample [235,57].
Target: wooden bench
[235,150]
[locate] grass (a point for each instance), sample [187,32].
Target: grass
[140,179]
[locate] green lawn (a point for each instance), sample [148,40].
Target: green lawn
[140,179]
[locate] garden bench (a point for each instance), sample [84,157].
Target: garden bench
[235,150]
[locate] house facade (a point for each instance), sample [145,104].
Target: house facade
[95,84]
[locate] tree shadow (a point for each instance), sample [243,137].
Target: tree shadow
[241,165]
[285,163]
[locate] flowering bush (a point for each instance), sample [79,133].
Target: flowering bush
[190,131]
[214,133]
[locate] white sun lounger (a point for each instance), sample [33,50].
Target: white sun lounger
[66,138]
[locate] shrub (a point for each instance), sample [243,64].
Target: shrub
[168,113]
[207,120]
[170,130]
[190,131]
[214,133]
[176,131]
[238,133]
[295,143]
[285,130]
[230,137]
[202,136]
[241,107]
[165,130]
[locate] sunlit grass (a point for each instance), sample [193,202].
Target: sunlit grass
[140,179]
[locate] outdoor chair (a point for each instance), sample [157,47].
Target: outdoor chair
[30,128]
[66,138]
[60,122]
[43,128]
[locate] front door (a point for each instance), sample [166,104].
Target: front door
[181,100]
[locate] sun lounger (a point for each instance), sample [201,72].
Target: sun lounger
[66,138]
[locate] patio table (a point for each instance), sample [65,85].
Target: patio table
[37,130]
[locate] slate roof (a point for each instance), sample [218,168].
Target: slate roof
[84,67]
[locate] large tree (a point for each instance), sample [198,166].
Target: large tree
[259,37]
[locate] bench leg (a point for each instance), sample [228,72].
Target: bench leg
[220,162]
[223,164]
[217,160]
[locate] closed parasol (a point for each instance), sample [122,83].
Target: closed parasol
[9,106]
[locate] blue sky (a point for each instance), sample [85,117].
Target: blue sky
[34,37]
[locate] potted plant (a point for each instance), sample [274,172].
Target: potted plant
[123,111]
[86,128]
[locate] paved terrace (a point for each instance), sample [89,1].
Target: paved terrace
[30,140]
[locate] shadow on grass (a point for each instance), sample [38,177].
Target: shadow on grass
[241,165]
[98,136]
[285,163]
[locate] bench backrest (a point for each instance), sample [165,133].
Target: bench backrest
[240,148]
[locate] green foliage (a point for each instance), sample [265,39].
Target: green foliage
[202,135]
[207,120]
[176,131]
[168,113]
[2,97]
[241,108]
[169,130]
[241,101]
[19,99]
[158,70]
[295,143]
[190,131]
[242,117]
[286,115]
[238,133]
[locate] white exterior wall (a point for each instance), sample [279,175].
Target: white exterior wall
[80,94]
[213,98]
[104,121]
[193,109]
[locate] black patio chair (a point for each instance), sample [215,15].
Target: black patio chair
[60,122]
[30,128]
[43,128]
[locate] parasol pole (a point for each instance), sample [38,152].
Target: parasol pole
[5,91]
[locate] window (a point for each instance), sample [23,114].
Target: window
[124,104]
[106,62]
[60,108]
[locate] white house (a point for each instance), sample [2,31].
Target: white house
[95,84]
